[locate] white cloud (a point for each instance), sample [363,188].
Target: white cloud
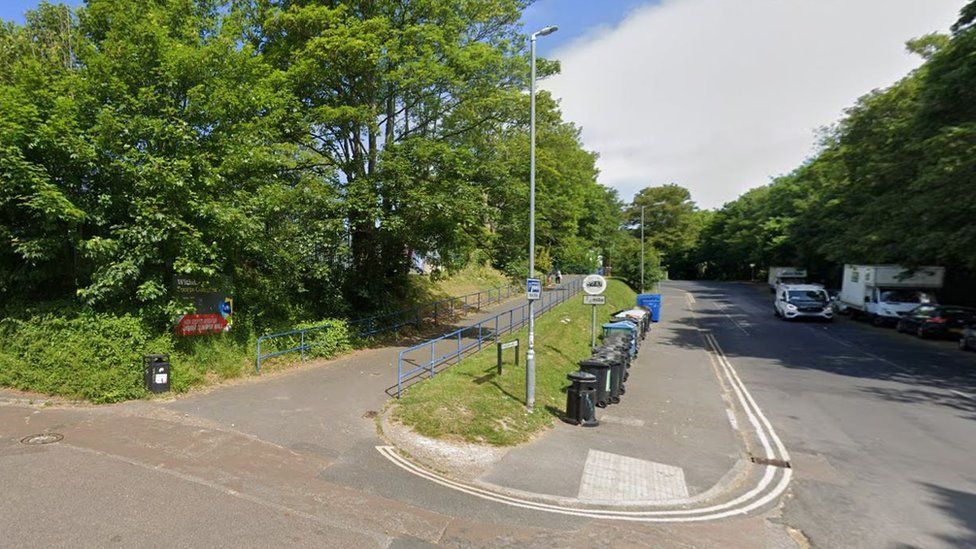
[721,95]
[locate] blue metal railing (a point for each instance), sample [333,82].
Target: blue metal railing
[453,345]
[435,311]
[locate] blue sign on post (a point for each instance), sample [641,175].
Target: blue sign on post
[533,289]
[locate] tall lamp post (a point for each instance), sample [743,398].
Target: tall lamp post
[530,352]
[642,249]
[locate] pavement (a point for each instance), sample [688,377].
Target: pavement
[670,437]
[879,429]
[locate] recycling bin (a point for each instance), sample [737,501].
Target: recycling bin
[155,373]
[652,302]
[639,314]
[600,368]
[580,400]
[626,328]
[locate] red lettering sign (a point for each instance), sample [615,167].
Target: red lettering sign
[199,324]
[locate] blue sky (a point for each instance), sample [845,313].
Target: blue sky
[575,18]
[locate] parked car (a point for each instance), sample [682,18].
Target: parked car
[937,320]
[967,341]
[802,301]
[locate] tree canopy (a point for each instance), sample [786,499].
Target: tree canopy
[297,151]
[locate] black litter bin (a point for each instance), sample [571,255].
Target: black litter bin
[155,373]
[599,367]
[580,402]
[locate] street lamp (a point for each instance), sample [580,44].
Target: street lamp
[642,250]
[530,352]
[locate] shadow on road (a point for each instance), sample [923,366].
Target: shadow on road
[928,372]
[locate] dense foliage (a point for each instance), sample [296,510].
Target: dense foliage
[895,182]
[294,152]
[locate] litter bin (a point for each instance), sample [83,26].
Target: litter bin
[600,368]
[652,302]
[155,373]
[580,401]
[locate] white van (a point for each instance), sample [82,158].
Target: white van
[885,293]
[802,301]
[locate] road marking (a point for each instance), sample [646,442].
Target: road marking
[732,420]
[734,321]
[689,298]
[613,477]
[756,498]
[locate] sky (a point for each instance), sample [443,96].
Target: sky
[721,95]
[718,96]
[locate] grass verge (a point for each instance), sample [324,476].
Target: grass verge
[471,402]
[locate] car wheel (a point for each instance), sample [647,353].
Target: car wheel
[920,332]
[963,346]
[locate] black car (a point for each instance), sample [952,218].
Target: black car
[967,341]
[937,320]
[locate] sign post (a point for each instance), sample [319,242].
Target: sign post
[507,345]
[594,286]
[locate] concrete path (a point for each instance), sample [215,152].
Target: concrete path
[669,438]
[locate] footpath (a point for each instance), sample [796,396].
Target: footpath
[296,458]
[673,440]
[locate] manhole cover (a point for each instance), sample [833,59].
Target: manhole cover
[44,438]
[370,414]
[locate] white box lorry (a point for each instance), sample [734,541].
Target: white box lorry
[786,275]
[884,293]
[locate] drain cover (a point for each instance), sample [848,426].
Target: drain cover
[370,414]
[769,461]
[44,438]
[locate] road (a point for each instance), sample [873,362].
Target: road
[881,426]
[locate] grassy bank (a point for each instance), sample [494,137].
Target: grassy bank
[470,402]
[98,356]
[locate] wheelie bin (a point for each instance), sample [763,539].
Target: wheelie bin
[600,368]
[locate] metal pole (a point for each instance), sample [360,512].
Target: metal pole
[593,330]
[530,352]
[642,249]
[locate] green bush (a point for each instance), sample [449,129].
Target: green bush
[92,356]
[328,338]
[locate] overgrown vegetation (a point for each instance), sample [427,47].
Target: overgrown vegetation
[296,154]
[470,402]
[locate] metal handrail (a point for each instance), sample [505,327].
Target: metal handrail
[489,329]
[378,324]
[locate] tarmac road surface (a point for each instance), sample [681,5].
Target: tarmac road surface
[880,428]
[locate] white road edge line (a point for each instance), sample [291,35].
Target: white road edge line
[741,505]
[732,421]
